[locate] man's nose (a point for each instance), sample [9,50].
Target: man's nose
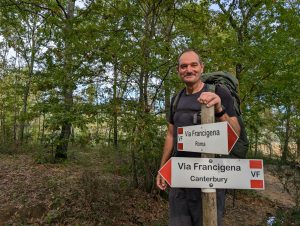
[189,68]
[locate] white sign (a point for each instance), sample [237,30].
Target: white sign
[216,138]
[214,173]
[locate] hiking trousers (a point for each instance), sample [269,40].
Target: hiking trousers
[185,207]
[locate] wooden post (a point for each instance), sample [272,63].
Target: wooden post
[209,198]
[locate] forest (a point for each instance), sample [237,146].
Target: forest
[86,86]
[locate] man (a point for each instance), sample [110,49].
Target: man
[185,203]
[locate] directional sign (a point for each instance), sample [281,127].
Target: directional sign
[214,173]
[216,138]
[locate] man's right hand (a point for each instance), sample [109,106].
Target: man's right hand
[161,182]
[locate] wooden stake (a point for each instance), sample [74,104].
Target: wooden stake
[209,199]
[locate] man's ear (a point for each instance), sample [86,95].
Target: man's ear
[202,68]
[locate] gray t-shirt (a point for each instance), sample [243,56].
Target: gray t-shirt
[187,113]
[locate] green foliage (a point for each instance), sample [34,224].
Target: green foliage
[104,74]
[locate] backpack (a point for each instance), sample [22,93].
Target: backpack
[229,82]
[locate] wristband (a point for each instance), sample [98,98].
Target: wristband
[221,113]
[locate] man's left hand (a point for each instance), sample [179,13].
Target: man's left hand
[211,99]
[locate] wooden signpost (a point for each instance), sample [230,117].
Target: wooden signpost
[209,197]
[207,172]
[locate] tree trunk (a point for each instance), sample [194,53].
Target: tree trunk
[39,129]
[167,101]
[43,128]
[115,107]
[109,135]
[270,150]
[68,86]
[15,122]
[3,135]
[256,144]
[25,100]
[285,151]
[23,114]
[134,173]
[298,148]
[62,146]
[149,32]
[30,64]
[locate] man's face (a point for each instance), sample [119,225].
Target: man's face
[190,68]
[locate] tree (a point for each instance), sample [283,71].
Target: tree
[21,31]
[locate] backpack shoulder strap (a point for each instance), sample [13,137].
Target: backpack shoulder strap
[176,99]
[211,88]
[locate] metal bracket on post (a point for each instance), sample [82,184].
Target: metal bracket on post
[209,198]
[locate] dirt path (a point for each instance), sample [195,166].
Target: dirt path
[87,194]
[275,192]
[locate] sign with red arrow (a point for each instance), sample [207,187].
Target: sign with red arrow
[216,138]
[214,173]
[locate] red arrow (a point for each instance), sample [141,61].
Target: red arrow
[165,171]
[232,137]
